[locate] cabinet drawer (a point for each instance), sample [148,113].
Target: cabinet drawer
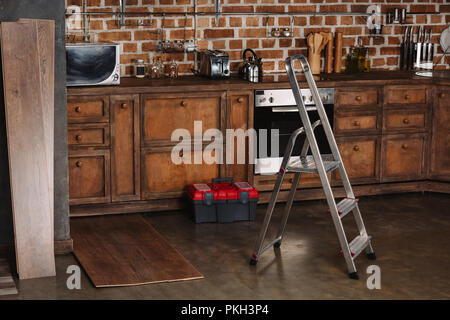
[87,109]
[357,97]
[89,177]
[405,95]
[403,157]
[352,123]
[162,116]
[360,156]
[89,135]
[162,178]
[398,120]
[267,182]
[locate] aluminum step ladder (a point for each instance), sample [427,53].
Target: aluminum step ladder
[315,163]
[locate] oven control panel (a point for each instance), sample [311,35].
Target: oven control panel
[285,97]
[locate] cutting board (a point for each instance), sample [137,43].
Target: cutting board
[27,51]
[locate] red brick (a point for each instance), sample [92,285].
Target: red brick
[270,9]
[148,46]
[235,44]
[252,33]
[300,21]
[331,20]
[235,22]
[284,21]
[302,9]
[218,33]
[253,43]
[285,43]
[315,20]
[392,61]
[252,21]
[145,35]
[129,47]
[270,54]
[377,62]
[333,8]
[390,51]
[114,36]
[268,43]
[237,9]
[422,8]
[350,30]
[131,58]
[219,44]
[346,20]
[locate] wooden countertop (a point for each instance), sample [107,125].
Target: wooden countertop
[271,81]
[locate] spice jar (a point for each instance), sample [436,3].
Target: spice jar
[286,32]
[140,68]
[276,32]
[173,69]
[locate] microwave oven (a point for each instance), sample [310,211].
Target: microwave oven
[93,64]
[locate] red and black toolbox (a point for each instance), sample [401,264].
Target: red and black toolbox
[223,200]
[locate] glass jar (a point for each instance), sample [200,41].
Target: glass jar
[286,32]
[276,32]
[173,69]
[157,69]
[140,68]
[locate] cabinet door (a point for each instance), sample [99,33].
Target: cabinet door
[162,178]
[361,159]
[239,116]
[89,177]
[403,157]
[440,140]
[125,148]
[164,114]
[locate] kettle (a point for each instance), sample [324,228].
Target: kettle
[251,68]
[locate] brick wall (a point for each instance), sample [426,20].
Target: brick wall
[235,33]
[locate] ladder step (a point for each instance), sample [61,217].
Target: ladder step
[345,206]
[358,245]
[308,165]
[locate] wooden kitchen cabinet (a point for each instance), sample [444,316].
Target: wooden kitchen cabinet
[403,157]
[356,97]
[89,180]
[88,135]
[125,148]
[162,178]
[240,117]
[356,123]
[361,157]
[84,109]
[162,114]
[440,136]
[405,95]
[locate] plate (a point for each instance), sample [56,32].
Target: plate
[445,39]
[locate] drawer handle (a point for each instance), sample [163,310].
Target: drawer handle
[77,109]
[123,106]
[79,164]
[442,95]
[78,137]
[356,123]
[240,100]
[406,96]
[358,98]
[405,121]
[404,146]
[183,103]
[356,148]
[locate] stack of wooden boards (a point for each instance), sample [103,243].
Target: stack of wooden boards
[27,52]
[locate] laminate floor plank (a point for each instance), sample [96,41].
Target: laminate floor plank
[125,250]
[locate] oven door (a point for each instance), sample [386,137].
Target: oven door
[279,123]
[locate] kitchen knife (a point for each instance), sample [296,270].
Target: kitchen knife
[403,51]
[430,53]
[418,51]
[410,48]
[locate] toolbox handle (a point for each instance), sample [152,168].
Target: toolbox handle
[221,180]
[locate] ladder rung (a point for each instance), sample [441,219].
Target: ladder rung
[345,206]
[358,244]
[308,165]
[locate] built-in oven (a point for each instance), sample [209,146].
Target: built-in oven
[277,117]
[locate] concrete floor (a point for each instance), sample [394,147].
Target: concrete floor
[410,233]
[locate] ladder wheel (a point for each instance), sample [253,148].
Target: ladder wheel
[353,275]
[253,262]
[371,256]
[277,244]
